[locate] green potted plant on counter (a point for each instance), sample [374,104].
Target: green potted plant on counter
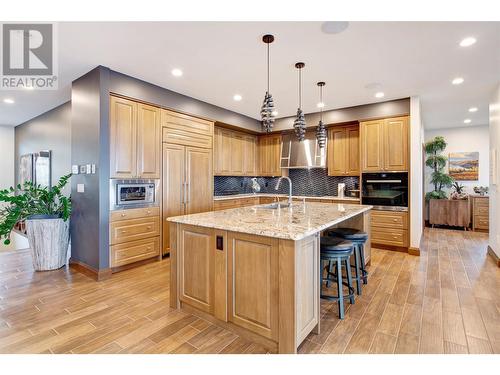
[46,211]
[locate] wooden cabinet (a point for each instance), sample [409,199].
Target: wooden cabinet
[343,151]
[134,139]
[269,150]
[234,153]
[389,228]
[196,267]
[186,130]
[396,144]
[123,137]
[480,213]
[134,235]
[384,145]
[187,183]
[148,141]
[249,155]
[253,303]
[225,204]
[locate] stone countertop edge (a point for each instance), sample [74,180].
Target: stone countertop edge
[269,195]
[209,222]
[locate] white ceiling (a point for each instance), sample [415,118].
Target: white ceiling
[222,59]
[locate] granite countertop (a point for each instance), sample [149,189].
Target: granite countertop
[293,223]
[251,195]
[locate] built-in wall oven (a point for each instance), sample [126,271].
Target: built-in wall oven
[133,193]
[385,191]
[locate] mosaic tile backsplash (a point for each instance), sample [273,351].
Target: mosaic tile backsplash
[311,182]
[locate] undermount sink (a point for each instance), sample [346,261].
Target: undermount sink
[274,206]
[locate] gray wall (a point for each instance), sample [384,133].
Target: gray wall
[90,145]
[49,131]
[135,88]
[358,113]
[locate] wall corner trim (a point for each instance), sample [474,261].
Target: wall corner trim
[494,256]
[97,275]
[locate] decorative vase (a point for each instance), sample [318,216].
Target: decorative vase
[48,239]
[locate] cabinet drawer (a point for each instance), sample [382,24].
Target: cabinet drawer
[481,202]
[389,218]
[134,251]
[185,138]
[134,229]
[481,210]
[134,213]
[389,236]
[248,202]
[226,204]
[481,222]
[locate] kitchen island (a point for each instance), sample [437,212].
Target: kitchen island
[256,270]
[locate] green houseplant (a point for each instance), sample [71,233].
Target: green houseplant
[46,211]
[437,162]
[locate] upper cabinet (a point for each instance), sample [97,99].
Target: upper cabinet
[234,153]
[135,139]
[269,150]
[343,151]
[384,145]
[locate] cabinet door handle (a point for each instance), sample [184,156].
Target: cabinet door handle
[149,227]
[149,211]
[394,220]
[123,231]
[188,191]
[123,215]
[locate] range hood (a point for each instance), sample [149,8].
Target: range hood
[302,155]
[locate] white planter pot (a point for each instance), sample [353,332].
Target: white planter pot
[49,240]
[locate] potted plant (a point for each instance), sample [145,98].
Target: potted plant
[437,162]
[46,211]
[458,191]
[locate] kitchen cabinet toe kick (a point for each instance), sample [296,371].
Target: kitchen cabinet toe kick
[262,288]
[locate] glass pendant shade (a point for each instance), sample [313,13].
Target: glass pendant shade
[321,134]
[300,125]
[321,129]
[267,111]
[300,121]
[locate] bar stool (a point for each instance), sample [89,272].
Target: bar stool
[337,251]
[358,238]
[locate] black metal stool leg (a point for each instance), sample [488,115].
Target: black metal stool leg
[349,279]
[339,289]
[357,269]
[364,273]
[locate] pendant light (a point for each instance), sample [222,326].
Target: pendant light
[321,130]
[267,112]
[300,122]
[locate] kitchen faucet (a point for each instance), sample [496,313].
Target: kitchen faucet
[289,186]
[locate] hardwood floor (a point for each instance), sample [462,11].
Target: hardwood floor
[445,301]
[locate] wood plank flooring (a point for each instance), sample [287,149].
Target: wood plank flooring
[445,301]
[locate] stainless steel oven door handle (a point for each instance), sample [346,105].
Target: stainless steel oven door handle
[383,181]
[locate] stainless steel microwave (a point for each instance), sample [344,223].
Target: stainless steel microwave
[133,193]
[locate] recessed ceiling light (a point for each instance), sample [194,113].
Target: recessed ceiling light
[274,113]
[8,101]
[469,41]
[379,94]
[457,81]
[321,105]
[473,109]
[334,27]
[467,121]
[176,72]
[237,97]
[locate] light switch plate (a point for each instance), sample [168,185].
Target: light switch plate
[93,168]
[80,188]
[88,169]
[83,169]
[75,169]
